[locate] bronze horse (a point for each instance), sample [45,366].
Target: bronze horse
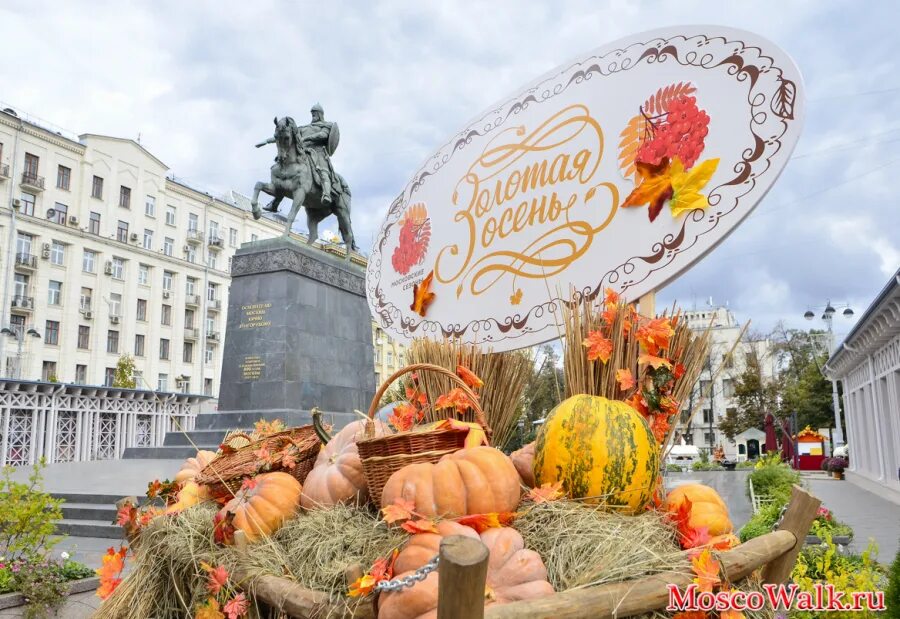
[293,177]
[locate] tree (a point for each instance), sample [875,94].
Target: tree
[543,389]
[124,376]
[755,396]
[805,390]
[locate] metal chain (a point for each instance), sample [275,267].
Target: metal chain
[780,517]
[408,581]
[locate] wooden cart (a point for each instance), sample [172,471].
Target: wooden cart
[463,567]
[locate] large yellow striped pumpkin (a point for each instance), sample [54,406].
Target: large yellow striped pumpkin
[599,449]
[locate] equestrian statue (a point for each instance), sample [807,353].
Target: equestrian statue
[303,173]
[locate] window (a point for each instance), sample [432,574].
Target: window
[115,304]
[211,260]
[213,230]
[148,239]
[168,246]
[60,213]
[186,385]
[728,361]
[232,237]
[80,374]
[705,389]
[54,293]
[193,222]
[709,437]
[139,345]
[190,285]
[112,341]
[89,261]
[229,264]
[85,301]
[188,319]
[84,337]
[210,323]
[142,309]
[48,371]
[124,196]
[162,382]
[728,387]
[390,357]
[57,253]
[150,206]
[164,349]
[31,166]
[97,188]
[118,267]
[63,177]
[109,377]
[51,332]
[138,376]
[18,325]
[707,415]
[170,215]
[21,285]
[27,200]
[210,352]
[190,254]
[23,243]
[168,277]
[188,353]
[143,274]
[94,223]
[122,232]
[166,318]
[211,291]
[207,386]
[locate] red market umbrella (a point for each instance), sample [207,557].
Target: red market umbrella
[771,439]
[787,442]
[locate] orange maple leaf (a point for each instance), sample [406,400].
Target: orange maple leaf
[625,379]
[706,568]
[726,541]
[400,509]
[599,347]
[455,398]
[113,563]
[422,295]
[652,360]
[403,417]
[416,397]
[655,187]
[655,334]
[469,377]
[209,610]
[668,405]
[362,586]
[690,614]
[610,298]
[731,614]
[638,403]
[424,525]
[546,493]
[483,522]
[678,371]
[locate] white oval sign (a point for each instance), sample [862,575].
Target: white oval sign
[619,169]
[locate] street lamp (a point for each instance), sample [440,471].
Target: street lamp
[19,336]
[828,318]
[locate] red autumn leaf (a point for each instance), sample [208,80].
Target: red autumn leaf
[415,397]
[678,371]
[625,379]
[455,398]
[419,526]
[638,403]
[126,515]
[691,614]
[226,449]
[223,528]
[694,538]
[655,187]
[599,347]
[469,377]
[483,522]
[236,606]
[153,489]
[546,493]
[216,578]
[422,295]
[668,405]
[400,509]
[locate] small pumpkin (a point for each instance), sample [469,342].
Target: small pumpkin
[707,508]
[476,480]
[514,572]
[191,494]
[337,476]
[262,505]
[523,459]
[192,466]
[602,450]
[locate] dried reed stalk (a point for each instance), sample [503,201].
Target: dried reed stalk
[504,376]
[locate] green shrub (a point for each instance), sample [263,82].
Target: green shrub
[892,593]
[43,586]
[673,468]
[27,516]
[73,570]
[761,522]
[700,465]
[773,482]
[746,464]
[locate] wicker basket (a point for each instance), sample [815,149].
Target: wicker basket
[383,456]
[224,475]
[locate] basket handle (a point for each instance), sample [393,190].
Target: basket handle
[476,406]
[232,435]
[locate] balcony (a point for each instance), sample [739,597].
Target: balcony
[192,300]
[26,261]
[191,333]
[212,336]
[214,305]
[216,242]
[32,181]
[194,236]
[4,171]
[22,303]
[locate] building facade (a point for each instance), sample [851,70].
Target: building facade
[713,396]
[867,364]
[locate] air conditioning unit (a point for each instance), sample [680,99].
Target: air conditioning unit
[186,248]
[88,314]
[166,294]
[113,320]
[108,267]
[45,251]
[134,237]
[73,221]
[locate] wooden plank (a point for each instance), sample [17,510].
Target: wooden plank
[797,519]
[646,305]
[635,597]
[463,572]
[295,600]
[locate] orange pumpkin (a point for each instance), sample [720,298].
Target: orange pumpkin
[192,466]
[262,505]
[191,494]
[477,480]
[707,508]
[523,459]
[337,476]
[514,573]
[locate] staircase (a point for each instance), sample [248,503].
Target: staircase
[88,515]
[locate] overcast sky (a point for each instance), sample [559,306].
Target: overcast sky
[201,81]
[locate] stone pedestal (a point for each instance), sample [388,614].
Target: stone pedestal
[299,333]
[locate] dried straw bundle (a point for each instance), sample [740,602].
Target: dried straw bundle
[504,376]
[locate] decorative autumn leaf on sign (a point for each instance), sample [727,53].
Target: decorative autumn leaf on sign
[469,377]
[707,570]
[422,295]
[655,187]
[400,509]
[516,297]
[546,493]
[455,398]
[599,347]
[424,525]
[483,522]
[625,379]
[686,186]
